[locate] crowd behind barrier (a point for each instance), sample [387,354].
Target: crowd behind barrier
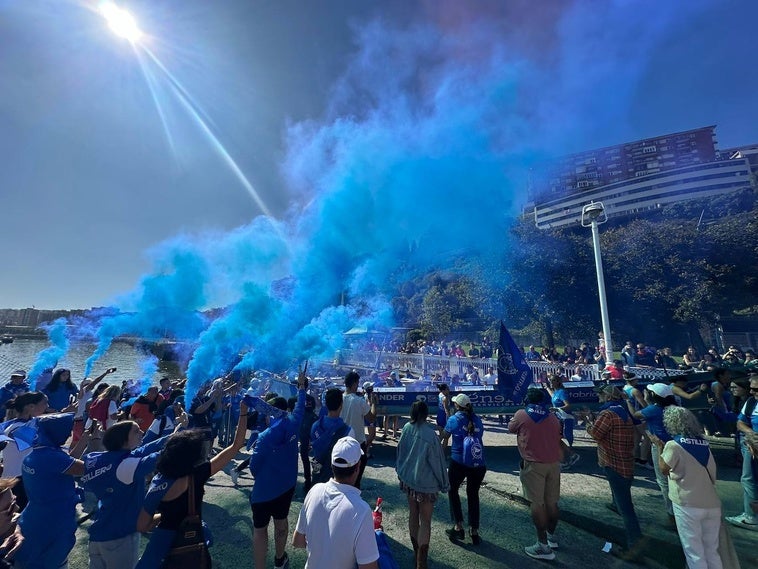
[424,364]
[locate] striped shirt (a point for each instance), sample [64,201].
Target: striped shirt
[615,442]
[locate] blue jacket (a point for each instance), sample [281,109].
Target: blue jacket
[117,478]
[274,459]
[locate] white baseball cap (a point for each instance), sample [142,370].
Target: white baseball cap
[462,400]
[661,389]
[346,452]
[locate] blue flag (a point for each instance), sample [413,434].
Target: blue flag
[514,376]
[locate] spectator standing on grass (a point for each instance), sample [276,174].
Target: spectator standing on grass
[422,473]
[183,461]
[273,464]
[747,424]
[48,523]
[659,397]
[562,409]
[688,463]
[368,394]
[355,409]
[637,401]
[722,402]
[325,433]
[613,430]
[461,424]
[309,417]
[444,407]
[335,524]
[539,443]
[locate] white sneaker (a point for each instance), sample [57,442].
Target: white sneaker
[742,521]
[235,476]
[552,541]
[540,551]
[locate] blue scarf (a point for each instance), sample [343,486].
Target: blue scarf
[620,410]
[697,447]
[537,412]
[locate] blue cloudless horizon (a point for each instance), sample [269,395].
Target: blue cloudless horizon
[98,168]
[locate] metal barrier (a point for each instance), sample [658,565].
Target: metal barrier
[423,364]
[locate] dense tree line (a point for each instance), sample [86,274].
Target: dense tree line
[670,275]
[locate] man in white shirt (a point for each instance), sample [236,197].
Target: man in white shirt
[354,410]
[335,524]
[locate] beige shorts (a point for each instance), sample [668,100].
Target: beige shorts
[541,482]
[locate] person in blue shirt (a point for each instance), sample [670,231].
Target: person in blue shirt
[325,432]
[48,523]
[561,407]
[117,478]
[274,466]
[443,408]
[659,396]
[13,388]
[60,389]
[747,423]
[458,427]
[182,460]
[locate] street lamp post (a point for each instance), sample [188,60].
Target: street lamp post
[593,214]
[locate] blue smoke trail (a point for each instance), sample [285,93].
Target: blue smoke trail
[166,305]
[48,358]
[148,367]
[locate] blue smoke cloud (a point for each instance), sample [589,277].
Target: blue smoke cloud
[420,163]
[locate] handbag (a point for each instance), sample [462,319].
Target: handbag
[189,549]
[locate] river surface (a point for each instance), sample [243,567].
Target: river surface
[128,359]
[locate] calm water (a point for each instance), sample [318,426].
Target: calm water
[127,358]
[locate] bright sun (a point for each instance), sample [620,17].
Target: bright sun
[121,22]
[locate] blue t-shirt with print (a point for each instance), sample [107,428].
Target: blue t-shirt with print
[117,478]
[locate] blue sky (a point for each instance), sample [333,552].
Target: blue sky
[306,97]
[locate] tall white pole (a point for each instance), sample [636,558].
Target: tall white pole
[601,293]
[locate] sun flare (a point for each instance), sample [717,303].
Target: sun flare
[121,22]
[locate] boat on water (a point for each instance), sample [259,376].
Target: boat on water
[6,339]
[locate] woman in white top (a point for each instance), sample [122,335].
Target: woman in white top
[18,435]
[689,464]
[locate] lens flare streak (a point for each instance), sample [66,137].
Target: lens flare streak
[195,112]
